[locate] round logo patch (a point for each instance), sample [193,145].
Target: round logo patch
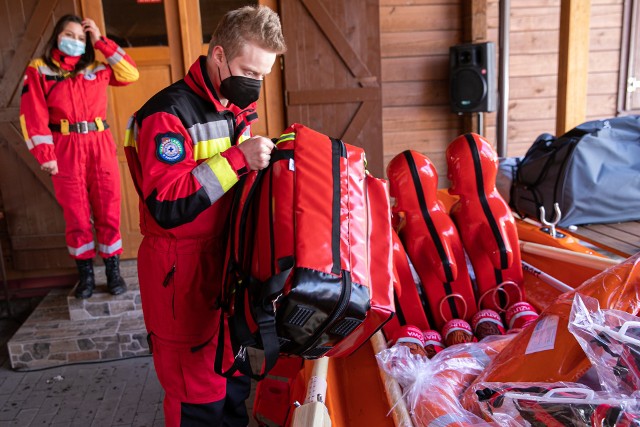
[89,76]
[170,147]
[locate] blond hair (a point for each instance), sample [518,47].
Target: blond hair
[248,24]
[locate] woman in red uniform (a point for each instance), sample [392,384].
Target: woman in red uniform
[62,114]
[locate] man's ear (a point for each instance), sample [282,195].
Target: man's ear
[218,55]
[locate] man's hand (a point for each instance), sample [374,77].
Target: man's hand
[257,152]
[51,167]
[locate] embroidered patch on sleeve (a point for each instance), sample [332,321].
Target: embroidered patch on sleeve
[170,147]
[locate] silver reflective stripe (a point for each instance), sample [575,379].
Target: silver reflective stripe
[115,58]
[209,181]
[45,70]
[109,249]
[41,139]
[133,125]
[82,249]
[208,131]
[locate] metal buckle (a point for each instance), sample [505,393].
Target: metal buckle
[82,127]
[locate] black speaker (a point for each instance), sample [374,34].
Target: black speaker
[472,77]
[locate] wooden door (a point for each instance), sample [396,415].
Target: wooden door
[332,71]
[150,34]
[33,221]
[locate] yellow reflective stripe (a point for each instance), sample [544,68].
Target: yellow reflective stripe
[243,138]
[223,171]
[23,125]
[207,149]
[124,72]
[286,137]
[129,139]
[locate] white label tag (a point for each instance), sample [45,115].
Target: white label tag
[544,335]
[292,165]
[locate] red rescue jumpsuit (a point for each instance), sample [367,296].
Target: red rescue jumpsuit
[182,152]
[56,107]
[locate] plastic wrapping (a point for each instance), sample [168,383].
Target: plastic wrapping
[554,405]
[545,350]
[432,387]
[611,341]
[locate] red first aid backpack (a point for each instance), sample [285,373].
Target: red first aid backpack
[310,268]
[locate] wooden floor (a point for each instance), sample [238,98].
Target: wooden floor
[621,238]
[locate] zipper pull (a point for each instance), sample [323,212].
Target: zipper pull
[170,274]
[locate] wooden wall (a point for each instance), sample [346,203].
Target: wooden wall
[534,66]
[415,37]
[415,40]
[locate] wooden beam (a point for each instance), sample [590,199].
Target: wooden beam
[474,21]
[190,31]
[573,64]
[10,114]
[11,135]
[332,96]
[333,32]
[474,30]
[26,49]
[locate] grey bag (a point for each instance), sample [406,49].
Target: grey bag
[592,172]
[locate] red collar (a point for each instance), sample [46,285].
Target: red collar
[64,61]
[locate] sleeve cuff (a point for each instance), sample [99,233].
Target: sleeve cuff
[105,46]
[44,154]
[236,159]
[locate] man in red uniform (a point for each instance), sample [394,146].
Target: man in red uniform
[62,114]
[186,148]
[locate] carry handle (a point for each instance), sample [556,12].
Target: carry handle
[587,394]
[621,334]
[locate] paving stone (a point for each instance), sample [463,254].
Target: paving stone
[121,392]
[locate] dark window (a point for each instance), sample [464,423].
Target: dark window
[130,23]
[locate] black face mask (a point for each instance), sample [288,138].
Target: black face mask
[239,90]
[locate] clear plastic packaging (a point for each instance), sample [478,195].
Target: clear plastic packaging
[433,387]
[554,405]
[611,341]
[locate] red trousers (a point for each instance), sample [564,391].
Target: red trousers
[88,184]
[179,283]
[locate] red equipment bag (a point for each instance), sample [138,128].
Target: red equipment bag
[431,239]
[310,268]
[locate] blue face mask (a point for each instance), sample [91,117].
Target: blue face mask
[71,47]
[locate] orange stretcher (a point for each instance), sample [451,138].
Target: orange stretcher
[359,394]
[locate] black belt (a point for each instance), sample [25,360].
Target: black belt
[80,127]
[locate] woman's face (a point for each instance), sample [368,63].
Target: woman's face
[74,31]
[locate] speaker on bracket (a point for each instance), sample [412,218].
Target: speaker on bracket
[472,77]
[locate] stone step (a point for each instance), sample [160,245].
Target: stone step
[50,338]
[104,305]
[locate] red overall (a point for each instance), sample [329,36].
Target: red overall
[182,152]
[63,118]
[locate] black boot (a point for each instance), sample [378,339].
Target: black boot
[87,282]
[115,283]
